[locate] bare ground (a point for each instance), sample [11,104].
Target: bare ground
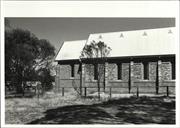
[54,109]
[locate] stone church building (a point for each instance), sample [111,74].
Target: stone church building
[143,58]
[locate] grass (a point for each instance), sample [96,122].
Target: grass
[21,110]
[52,108]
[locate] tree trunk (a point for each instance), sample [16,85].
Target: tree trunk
[19,86]
[98,88]
[104,79]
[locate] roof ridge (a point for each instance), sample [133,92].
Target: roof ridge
[75,40]
[132,30]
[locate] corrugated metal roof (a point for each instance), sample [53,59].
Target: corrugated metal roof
[70,50]
[137,43]
[126,43]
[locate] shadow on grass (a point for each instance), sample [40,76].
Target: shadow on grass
[143,110]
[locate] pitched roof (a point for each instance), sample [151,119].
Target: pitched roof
[70,50]
[137,43]
[160,41]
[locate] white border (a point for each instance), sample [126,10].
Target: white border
[90,9]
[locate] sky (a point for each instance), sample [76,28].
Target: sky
[58,30]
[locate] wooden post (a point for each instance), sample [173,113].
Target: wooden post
[35,90]
[104,78]
[130,75]
[85,91]
[137,92]
[167,90]
[106,75]
[38,91]
[110,94]
[57,79]
[158,76]
[62,91]
[80,87]
[82,77]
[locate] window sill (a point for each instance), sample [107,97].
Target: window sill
[71,78]
[145,80]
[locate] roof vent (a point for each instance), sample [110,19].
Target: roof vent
[121,35]
[169,32]
[100,37]
[144,34]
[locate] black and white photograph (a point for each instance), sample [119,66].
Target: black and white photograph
[99,71]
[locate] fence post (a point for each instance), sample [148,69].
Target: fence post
[137,93]
[38,93]
[131,75]
[62,91]
[85,91]
[110,92]
[35,90]
[167,90]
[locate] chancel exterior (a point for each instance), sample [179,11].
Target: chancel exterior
[139,58]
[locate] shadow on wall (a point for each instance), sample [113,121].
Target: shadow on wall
[144,110]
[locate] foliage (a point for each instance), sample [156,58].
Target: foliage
[95,50]
[96,53]
[25,55]
[46,79]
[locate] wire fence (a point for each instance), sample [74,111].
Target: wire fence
[88,91]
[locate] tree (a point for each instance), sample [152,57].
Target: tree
[96,53]
[25,54]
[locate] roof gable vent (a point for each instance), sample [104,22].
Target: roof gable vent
[144,34]
[100,36]
[121,35]
[169,32]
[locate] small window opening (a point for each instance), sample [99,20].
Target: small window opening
[146,70]
[95,71]
[72,70]
[119,68]
[173,71]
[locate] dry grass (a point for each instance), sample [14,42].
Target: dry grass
[24,110]
[71,109]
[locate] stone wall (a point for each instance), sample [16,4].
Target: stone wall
[152,70]
[64,79]
[166,71]
[137,71]
[63,76]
